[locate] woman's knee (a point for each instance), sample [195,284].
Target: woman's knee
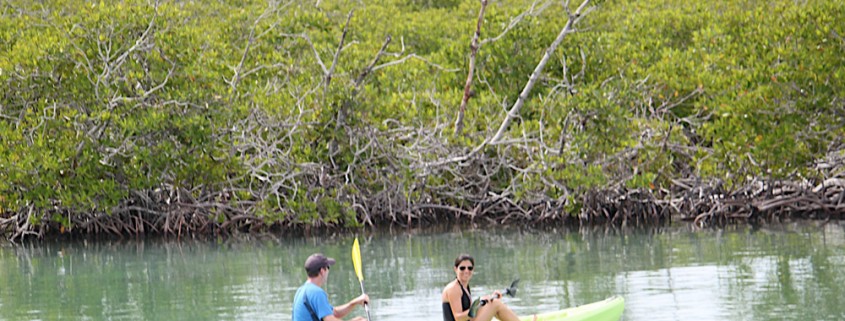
[492,308]
[496,305]
[500,302]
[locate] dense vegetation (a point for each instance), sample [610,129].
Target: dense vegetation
[199,116]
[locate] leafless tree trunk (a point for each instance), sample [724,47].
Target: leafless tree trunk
[475,45]
[517,106]
[459,121]
[329,74]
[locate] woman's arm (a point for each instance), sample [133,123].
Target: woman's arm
[453,295]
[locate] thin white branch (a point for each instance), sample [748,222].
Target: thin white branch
[328,75]
[237,76]
[523,96]
[313,48]
[474,46]
[414,56]
[515,21]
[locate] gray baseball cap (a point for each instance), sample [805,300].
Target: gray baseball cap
[318,261]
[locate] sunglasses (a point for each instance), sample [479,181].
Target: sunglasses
[462,268]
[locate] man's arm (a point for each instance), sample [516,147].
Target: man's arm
[334,318]
[343,310]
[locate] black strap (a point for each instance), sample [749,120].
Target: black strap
[468,291]
[310,309]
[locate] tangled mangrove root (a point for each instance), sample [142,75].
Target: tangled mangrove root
[385,184]
[765,201]
[704,205]
[173,214]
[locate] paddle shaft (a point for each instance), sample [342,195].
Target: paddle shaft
[366,306]
[511,292]
[485,301]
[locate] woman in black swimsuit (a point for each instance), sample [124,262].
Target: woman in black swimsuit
[457,297]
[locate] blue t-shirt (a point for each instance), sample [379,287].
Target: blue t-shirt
[315,298]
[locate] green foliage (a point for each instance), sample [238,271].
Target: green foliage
[769,76]
[90,112]
[100,99]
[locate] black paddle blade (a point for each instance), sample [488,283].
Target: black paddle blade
[511,291]
[473,308]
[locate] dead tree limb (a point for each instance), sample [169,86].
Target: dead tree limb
[343,111]
[533,10]
[459,121]
[329,74]
[474,47]
[371,67]
[236,77]
[307,39]
[523,96]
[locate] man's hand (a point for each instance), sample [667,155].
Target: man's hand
[362,299]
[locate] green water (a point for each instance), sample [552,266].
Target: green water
[786,272]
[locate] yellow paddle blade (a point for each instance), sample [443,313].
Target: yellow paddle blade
[356,260]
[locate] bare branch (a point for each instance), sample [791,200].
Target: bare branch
[523,96]
[459,120]
[141,40]
[836,35]
[237,76]
[371,67]
[515,21]
[313,48]
[329,74]
[475,45]
[461,158]
[414,56]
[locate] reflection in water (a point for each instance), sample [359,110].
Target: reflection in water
[789,272]
[676,293]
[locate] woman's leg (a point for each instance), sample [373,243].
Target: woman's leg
[495,308]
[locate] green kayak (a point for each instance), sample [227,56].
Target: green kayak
[607,310]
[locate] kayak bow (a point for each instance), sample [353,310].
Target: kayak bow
[606,310]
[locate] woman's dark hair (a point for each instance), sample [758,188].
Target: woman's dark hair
[464,257]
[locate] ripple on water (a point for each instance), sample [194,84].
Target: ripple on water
[684,293]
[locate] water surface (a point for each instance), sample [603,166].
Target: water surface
[782,272]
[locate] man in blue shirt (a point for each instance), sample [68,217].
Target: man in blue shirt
[311,303]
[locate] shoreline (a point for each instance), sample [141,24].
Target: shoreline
[703,206]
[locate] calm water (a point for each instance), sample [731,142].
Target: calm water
[787,272]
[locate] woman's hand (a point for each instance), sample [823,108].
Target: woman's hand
[497,294]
